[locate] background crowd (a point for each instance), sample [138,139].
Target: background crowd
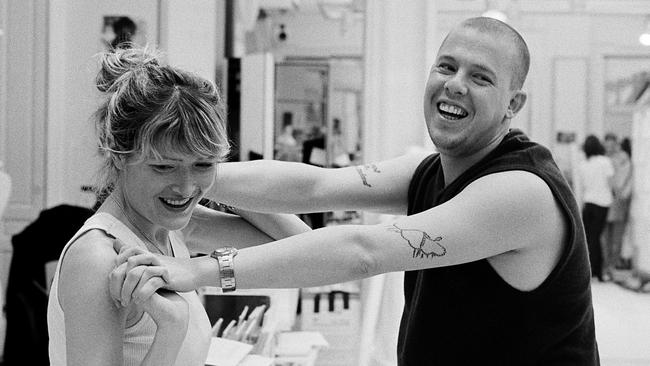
[604,186]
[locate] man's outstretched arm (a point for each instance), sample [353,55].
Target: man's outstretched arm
[510,212]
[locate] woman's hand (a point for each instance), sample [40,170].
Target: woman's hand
[139,274]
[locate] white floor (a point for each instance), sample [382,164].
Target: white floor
[622,325]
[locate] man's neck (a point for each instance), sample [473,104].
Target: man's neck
[454,166]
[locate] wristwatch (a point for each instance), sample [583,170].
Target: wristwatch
[226,259]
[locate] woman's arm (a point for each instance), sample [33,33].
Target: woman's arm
[94,323]
[210,229]
[288,187]
[276,226]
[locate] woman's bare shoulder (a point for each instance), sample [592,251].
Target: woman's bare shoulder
[91,256]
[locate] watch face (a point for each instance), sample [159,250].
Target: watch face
[226,251]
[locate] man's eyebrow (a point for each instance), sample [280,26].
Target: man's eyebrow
[477,66]
[484,69]
[445,58]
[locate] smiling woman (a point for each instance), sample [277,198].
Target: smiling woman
[162,133]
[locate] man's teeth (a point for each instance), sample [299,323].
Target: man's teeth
[176,202]
[452,109]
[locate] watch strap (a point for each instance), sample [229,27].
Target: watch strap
[226,270]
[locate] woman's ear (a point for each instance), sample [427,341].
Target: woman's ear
[517,102]
[119,161]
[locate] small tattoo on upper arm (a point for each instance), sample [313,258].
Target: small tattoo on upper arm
[364,170]
[372,167]
[423,245]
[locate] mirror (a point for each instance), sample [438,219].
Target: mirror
[318,111]
[312,54]
[301,111]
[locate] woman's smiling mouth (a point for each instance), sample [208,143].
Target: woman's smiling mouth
[176,204]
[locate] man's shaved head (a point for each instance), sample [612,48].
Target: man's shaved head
[497,28]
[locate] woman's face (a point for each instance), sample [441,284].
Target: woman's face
[165,191]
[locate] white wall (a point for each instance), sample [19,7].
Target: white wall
[257,96]
[189,34]
[190,39]
[573,41]
[308,34]
[75,31]
[397,58]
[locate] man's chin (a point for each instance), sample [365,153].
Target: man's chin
[447,145]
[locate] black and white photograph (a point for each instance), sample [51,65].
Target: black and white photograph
[325,182]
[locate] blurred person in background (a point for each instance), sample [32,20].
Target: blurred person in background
[595,190]
[617,215]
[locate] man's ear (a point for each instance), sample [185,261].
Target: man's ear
[516,103]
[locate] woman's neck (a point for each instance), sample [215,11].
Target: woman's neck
[155,237]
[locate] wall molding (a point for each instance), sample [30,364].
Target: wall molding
[566,105]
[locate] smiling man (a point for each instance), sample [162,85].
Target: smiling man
[494,254]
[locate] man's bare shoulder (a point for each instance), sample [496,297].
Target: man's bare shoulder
[541,224]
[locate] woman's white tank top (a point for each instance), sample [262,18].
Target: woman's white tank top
[138,337]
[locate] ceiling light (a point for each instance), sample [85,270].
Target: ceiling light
[496,14]
[644,38]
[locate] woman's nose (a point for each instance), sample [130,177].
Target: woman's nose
[184,183]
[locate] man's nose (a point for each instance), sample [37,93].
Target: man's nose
[456,86]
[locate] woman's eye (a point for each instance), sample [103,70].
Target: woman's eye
[162,168]
[204,165]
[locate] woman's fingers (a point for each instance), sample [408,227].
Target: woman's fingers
[118,245]
[115,282]
[141,280]
[126,276]
[130,283]
[142,259]
[151,280]
[126,252]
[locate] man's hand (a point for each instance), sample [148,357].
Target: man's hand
[138,274]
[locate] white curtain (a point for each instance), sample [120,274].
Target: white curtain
[5,190]
[640,207]
[382,304]
[247,11]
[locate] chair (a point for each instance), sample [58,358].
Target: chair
[39,243]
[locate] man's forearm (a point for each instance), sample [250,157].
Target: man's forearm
[319,257]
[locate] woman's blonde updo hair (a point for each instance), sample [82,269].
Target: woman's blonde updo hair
[151,108]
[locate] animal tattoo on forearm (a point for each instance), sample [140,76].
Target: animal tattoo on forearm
[364,170]
[423,245]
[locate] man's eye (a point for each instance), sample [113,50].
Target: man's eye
[445,67]
[483,78]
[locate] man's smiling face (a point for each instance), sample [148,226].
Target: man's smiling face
[469,91]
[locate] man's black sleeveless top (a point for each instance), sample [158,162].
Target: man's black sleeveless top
[468,315]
